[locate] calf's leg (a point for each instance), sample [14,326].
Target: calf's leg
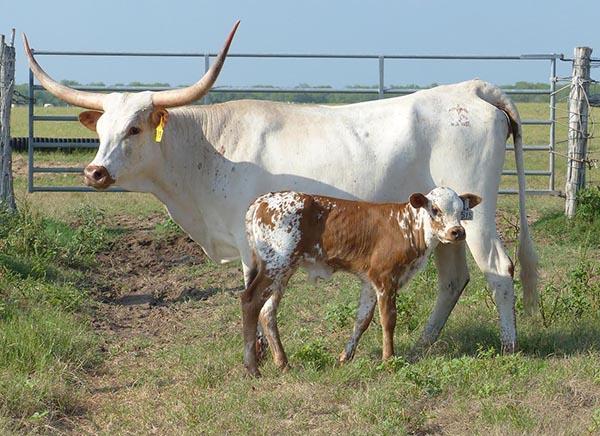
[252,300]
[250,271]
[386,299]
[268,321]
[364,315]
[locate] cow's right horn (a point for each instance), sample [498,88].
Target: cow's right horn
[183,96]
[89,100]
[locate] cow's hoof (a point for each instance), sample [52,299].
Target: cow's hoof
[509,348]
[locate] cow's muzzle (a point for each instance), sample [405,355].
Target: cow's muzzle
[97,177]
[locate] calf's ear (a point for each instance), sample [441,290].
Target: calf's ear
[418,200]
[474,200]
[89,119]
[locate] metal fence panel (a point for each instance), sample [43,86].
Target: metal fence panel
[380,92]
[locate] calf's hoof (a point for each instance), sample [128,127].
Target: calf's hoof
[261,345]
[345,357]
[282,364]
[252,372]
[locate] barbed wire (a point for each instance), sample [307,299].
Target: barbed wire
[561,105]
[20,98]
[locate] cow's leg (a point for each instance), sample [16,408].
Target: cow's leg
[268,320]
[261,342]
[453,276]
[491,257]
[386,299]
[364,315]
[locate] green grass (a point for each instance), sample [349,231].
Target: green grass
[46,340]
[52,129]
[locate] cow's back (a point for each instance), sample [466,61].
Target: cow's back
[378,151]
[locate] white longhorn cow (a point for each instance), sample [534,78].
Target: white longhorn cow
[214,160]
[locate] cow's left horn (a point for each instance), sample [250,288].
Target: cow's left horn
[180,97]
[89,100]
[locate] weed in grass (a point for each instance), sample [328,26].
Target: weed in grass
[577,295]
[583,229]
[516,415]
[340,315]
[588,204]
[313,355]
[35,246]
[166,229]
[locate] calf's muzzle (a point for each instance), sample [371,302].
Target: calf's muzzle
[456,233]
[97,177]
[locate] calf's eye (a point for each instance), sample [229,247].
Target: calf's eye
[435,211]
[134,131]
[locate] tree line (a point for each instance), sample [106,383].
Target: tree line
[42,97]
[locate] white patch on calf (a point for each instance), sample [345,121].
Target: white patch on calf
[275,243]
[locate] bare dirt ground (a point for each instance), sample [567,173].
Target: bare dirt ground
[142,277]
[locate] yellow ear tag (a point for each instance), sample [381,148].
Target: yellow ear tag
[160,129]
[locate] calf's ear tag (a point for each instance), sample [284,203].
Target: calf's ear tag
[160,129]
[466,214]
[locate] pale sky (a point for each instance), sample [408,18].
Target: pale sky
[471,27]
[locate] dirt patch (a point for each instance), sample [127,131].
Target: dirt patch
[144,281]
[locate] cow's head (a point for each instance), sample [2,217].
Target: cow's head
[445,210]
[127,123]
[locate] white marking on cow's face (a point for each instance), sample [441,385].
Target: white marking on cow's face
[445,209]
[127,147]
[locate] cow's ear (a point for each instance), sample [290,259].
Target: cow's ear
[473,200]
[158,114]
[418,200]
[89,119]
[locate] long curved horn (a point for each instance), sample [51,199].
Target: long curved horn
[180,97]
[89,100]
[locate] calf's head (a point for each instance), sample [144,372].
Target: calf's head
[127,123]
[444,209]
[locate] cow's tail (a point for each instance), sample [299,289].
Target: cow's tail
[526,253]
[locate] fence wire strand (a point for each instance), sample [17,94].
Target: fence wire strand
[562,106]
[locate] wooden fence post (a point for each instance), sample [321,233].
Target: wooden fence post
[578,127]
[7,83]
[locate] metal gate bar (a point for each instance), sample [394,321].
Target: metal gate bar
[381,91]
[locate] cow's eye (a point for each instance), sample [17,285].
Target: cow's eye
[435,211]
[134,131]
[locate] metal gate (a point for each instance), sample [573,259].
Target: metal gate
[380,92]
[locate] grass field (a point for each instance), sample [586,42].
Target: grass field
[112,322]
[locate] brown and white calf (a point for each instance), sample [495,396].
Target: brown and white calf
[383,244]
